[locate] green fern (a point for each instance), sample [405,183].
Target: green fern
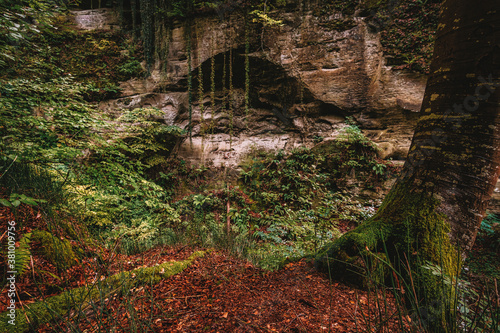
[22,255]
[488,222]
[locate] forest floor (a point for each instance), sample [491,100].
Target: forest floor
[217,293]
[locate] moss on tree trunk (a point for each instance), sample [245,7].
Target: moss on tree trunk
[392,247]
[432,214]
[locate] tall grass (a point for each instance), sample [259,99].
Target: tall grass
[396,296]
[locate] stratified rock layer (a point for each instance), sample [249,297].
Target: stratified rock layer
[305,78]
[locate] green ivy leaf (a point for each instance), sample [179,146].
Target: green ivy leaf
[29,201]
[5,202]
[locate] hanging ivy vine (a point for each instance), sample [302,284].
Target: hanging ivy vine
[301,28]
[166,52]
[230,95]
[212,86]
[224,78]
[147,17]
[162,35]
[200,86]
[133,9]
[190,79]
[247,72]
[120,9]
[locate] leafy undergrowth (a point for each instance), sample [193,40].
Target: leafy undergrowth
[482,268]
[42,277]
[97,59]
[281,206]
[49,286]
[49,124]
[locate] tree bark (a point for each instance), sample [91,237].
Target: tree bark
[455,151]
[433,212]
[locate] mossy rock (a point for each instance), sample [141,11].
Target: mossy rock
[326,148]
[57,251]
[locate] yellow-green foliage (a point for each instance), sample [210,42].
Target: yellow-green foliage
[23,254]
[58,251]
[265,19]
[58,306]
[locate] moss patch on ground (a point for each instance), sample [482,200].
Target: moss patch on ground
[58,251]
[58,306]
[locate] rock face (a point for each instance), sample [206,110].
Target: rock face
[305,78]
[92,19]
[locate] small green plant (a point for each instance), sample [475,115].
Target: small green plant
[132,68]
[490,223]
[22,255]
[16,199]
[379,169]
[318,138]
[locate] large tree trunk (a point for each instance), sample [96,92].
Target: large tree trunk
[455,153]
[433,212]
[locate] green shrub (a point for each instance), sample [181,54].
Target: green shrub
[131,68]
